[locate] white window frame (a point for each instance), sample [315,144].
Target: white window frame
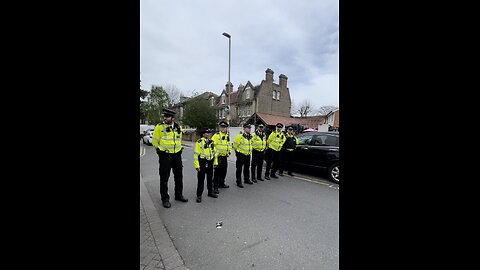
[274,95]
[223,99]
[278,95]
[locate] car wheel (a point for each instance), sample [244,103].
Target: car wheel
[334,173]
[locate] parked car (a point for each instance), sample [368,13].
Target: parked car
[147,136]
[319,150]
[144,128]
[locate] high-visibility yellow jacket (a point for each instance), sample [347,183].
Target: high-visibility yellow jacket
[204,150]
[290,142]
[167,139]
[242,144]
[223,145]
[276,140]
[259,143]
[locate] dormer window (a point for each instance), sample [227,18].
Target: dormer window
[212,100]
[223,99]
[247,93]
[278,95]
[274,96]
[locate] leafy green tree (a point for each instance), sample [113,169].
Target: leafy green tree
[143,112]
[156,100]
[198,113]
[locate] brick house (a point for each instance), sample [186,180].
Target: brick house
[267,97]
[332,119]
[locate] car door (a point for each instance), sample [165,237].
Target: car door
[302,153]
[324,148]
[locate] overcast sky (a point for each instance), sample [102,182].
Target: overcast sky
[182,45]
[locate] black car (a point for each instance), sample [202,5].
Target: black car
[319,150]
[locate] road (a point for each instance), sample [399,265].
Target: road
[285,223]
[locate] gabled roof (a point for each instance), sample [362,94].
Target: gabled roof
[331,112]
[218,100]
[271,120]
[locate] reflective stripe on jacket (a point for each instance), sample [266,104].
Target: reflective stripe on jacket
[259,143]
[167,139]
[242,144]
[223,145]
[204,151]
[276,140]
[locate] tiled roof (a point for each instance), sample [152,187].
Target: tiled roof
[271,120]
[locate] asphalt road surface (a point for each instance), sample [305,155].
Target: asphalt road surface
[284,223]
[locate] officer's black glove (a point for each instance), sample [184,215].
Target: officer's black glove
[158,151]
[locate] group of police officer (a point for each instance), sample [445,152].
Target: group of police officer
[211,153]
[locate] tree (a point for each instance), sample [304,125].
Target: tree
[173,94]
[304,108]
[324,110]
[156,100]
[199,114]
[143,112]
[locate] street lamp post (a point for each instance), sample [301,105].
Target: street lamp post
[228,89]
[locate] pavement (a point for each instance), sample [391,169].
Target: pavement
[157,250]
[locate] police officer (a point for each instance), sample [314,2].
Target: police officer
[167,140]
[287,151]
[243,149]
[274,145]
[223,146]
[259,144]
[204,160]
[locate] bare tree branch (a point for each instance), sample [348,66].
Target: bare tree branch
[173,94]
[305,108]
[324,110]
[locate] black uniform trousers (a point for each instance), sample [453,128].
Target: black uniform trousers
[206,167]
[170,162]
[273,162]
[220,172]
[286,158]
[242,161]
[257,163]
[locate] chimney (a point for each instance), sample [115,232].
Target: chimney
[269,75]
[283,81]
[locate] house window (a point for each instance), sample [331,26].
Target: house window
[211,101]
[223,99]
[274,94]
[278,95]
[247,94]
[248,110]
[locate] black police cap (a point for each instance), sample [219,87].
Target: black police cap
[223,124]
[205,130]
[279,125]
[247,126]
[167,112]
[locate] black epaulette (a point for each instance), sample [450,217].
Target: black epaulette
[199,140]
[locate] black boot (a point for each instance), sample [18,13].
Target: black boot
[213,195]
[199,199]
